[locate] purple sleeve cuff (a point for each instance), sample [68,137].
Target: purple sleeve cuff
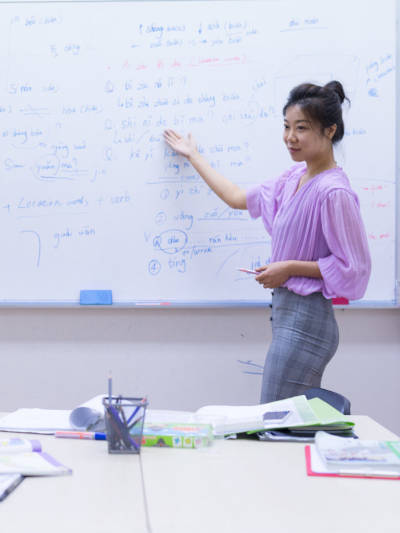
[340,280]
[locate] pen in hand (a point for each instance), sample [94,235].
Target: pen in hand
[248,271]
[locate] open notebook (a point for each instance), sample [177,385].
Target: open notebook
[26,457]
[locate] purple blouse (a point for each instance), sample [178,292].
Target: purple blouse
[320,222]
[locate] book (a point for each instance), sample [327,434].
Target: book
[292,435]
[329,419]
[304,416]
[17,445]
[357,457]
[25,457]
[87,416]
[315,467]
[176,435]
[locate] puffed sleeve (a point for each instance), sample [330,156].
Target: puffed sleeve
[345,272]
[264,200]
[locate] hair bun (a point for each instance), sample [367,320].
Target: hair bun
[336,87]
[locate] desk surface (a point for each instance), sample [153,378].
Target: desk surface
[232,486]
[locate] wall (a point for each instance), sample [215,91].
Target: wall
[183,359]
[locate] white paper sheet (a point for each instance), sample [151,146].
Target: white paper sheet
[48,421]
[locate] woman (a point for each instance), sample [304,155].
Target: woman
[319,245]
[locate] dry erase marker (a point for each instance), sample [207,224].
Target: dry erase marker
[248,271]
[87,435]
[149,304]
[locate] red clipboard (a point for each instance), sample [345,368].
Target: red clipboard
[310,472]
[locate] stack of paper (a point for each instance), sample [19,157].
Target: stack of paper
[89,415]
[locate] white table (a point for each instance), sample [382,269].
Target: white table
[230,487]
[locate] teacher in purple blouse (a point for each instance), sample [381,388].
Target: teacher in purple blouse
[319,245]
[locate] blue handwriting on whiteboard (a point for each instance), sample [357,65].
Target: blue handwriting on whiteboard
[170,241]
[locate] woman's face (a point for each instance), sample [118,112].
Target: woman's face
[304,138]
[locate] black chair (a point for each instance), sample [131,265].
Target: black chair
[336,400]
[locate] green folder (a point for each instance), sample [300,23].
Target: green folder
[328,418]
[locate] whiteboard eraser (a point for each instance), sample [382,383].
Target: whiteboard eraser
[95,298]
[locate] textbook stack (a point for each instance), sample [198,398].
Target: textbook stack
[304,417]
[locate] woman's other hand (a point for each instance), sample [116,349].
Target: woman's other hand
[181,145]
[273,275]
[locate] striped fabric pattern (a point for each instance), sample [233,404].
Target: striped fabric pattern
[320,222]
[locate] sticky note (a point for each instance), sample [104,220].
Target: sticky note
[95,297]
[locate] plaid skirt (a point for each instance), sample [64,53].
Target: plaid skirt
[305,337]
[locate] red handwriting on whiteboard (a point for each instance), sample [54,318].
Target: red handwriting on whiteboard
[381,236]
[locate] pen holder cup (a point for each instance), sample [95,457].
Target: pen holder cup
[124,418]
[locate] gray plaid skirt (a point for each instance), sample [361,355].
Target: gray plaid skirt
[305,337]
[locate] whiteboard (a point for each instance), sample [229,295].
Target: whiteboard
[92,198]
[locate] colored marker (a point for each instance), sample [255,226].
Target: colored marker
[150,304]
[248,271]
[87,435]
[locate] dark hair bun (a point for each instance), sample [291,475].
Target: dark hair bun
[336,87]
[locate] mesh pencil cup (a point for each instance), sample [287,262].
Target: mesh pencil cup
[124,418]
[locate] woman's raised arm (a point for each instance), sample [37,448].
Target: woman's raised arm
[229,192]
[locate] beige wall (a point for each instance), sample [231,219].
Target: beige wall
[182,359]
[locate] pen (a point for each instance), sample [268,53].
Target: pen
[121,429]
[149,304]
[248,271]
[87,435]
[109,388]
[142,403]
[133,424]
[14,484]
[133,414]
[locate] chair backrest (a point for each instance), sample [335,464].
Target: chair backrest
[338,401]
